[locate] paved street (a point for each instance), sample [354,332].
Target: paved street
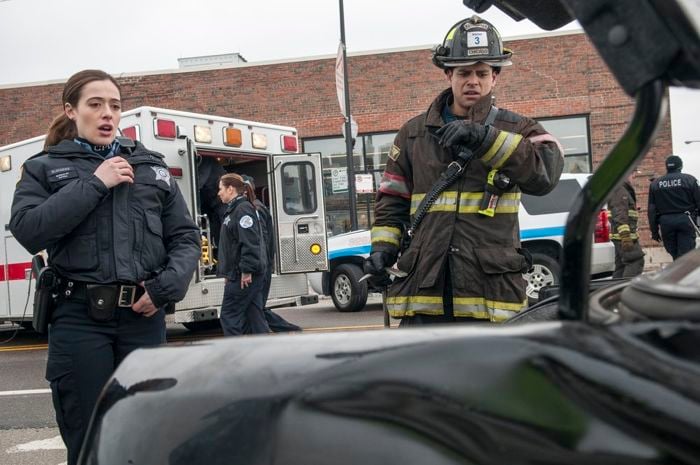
[28,433]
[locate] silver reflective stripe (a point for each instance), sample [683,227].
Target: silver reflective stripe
[506,150]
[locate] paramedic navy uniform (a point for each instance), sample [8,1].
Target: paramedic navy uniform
[242,250]
[131,233]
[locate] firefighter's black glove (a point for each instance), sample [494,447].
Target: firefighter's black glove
[375,265]
[458,134]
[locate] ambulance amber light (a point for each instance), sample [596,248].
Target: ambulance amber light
[315,249]
[132,132]
[6,163]
[233,137]
[202,134]
[165,129]
[175,172]
[289,143]
[259,141]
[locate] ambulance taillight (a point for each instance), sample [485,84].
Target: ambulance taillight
[132,132]
[164,129]
[175,172]
[259,140]
[233,137]
[289,144]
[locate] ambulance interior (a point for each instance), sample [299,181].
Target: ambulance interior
[211,165]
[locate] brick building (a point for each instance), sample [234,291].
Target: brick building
[556,78]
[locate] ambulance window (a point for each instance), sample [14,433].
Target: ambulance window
[299,188]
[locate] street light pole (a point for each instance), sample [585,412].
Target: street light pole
[348,128]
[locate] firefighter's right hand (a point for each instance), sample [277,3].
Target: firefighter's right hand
[376,262]
[115,171]
[376,265]
[461,133]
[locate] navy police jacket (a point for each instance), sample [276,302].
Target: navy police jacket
[241,245]
[129,233]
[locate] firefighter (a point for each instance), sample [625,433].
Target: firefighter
[464,260]
[118,235]
[276,323]
[242,260]
[629,257]
[670,197]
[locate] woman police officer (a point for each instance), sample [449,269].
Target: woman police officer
[118,235]
[242,260]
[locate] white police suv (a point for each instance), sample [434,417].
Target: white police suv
[542,221]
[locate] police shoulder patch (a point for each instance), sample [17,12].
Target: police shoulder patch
[246,222]
[394,152]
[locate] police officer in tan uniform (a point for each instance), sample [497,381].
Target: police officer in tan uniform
[464,261]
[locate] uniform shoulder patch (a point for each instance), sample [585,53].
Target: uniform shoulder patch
[394,152]
[246,221]
[162,174]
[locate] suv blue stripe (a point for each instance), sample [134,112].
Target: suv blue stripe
[542,232]
[349,252]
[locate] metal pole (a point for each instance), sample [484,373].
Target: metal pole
[348,129]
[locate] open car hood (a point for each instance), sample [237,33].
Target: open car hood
[640,40]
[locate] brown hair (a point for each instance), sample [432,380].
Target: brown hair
[63,127]
[236,181]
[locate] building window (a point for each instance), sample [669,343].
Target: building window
[370,153]
[574,135]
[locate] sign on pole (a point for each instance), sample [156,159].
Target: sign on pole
[340,78]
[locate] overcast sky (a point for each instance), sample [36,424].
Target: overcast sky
[44,40]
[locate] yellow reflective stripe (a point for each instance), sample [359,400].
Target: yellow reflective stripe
[388,234]
[469,202]
[622,228]
[496,145]
[446,202]
[616,237]
[473,307]
[410,305]
[633,213]
[506,150]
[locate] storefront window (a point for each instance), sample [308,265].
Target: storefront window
[572,133]
[369,157]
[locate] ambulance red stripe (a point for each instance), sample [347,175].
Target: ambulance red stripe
[14,271]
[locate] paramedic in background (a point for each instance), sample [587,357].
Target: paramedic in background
[624,216]
[209,171]
[118,234]
[276,323]
[670,197]
[464,261]
[242,260]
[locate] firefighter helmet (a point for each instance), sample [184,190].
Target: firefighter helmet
[471,41]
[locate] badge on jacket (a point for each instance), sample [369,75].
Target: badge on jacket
[162,174]
[246,222]
[394,152]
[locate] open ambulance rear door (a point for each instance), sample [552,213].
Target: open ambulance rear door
[299,208]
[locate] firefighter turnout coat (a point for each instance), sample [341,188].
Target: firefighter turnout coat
[483,251]
[623,212]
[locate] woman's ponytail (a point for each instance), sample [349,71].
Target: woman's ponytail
[62,127]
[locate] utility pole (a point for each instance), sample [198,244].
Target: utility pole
[348,128]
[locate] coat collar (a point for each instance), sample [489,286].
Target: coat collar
[477,113]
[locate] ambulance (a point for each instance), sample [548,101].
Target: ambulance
[288,182]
